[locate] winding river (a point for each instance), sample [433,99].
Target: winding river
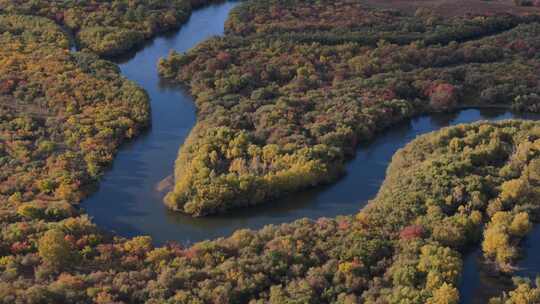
[129,202]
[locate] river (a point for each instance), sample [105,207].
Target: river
[128,203]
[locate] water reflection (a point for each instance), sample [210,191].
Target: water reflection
[479,283]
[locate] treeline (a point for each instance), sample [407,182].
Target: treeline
[351,22]
[287,94]
[406,245]
[109,28]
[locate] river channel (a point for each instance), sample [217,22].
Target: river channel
[129,201]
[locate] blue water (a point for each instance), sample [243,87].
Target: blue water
[129,204]
[478,285]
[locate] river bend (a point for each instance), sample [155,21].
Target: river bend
[129,203]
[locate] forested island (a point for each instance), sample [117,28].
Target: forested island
[283,100]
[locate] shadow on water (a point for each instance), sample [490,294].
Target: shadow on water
[479,283]
[127,201]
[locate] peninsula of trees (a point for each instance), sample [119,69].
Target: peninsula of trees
[444,192]
[287,94]
[108,28]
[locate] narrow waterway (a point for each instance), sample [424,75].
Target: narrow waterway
[129,201]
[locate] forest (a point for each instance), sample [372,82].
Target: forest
[464,185]
[283,100]
[108,28]
[63,115]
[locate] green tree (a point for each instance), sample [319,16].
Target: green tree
[55,250]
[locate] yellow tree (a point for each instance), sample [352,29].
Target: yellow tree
[446,294]
[54,249]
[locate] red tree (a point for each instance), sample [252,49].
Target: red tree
[411,232]
[443,96]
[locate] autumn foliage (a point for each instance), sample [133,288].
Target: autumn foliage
[63,116]
[443,96]
[109,27]
[291,89]
[283,100]
[411,232]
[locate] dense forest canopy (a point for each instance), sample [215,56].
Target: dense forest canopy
[406,244]
[63,115]
[287,94]
[283,99]
[108,27]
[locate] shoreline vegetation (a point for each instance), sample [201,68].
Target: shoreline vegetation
[110,28]
[64,114]
[286,95]
[60,134]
